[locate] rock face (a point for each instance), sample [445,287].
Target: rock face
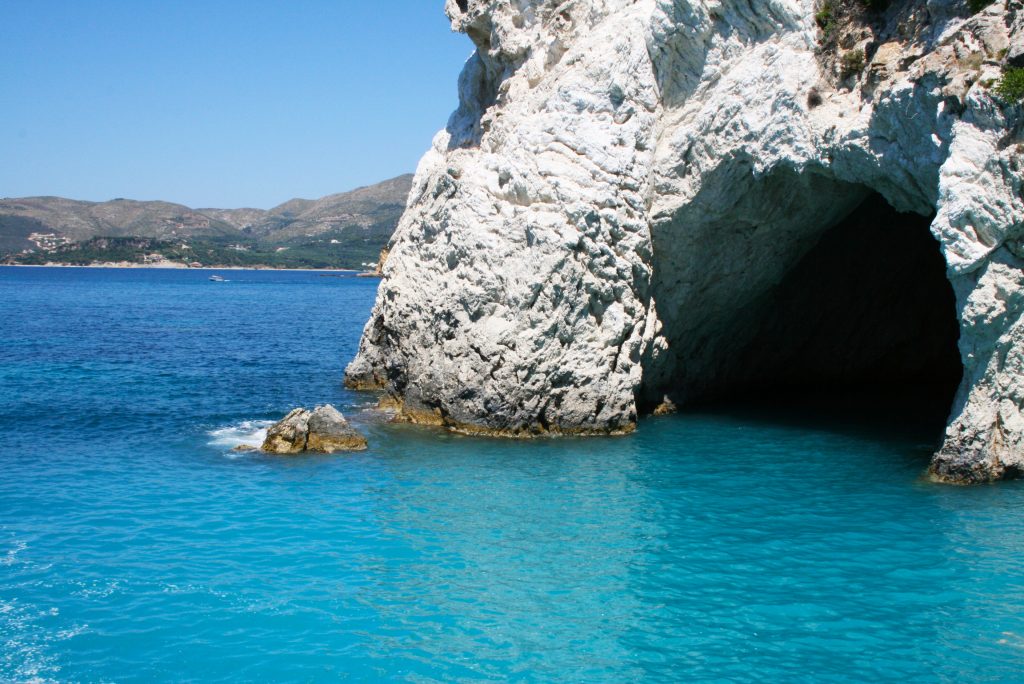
[322,430]
[623,208]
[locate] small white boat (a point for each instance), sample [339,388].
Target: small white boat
[217,279]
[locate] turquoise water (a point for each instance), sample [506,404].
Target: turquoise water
[136,546]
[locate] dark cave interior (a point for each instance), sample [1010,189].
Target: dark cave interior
[865,318]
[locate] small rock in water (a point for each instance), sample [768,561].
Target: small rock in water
[288,436]
[245,447]
[323,430]
[330,432]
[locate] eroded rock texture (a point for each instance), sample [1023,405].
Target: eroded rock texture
[322,430]
[614,217]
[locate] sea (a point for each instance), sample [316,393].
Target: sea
[710,546]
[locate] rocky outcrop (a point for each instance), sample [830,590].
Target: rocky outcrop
[619,206]
[322,430]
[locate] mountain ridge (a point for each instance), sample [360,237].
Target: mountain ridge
[73,221]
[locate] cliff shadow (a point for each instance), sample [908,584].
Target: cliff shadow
[851,316]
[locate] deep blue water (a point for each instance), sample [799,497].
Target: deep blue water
[135,546]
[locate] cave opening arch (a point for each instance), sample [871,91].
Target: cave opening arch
[842,300]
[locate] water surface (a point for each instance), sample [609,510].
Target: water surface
[136,546]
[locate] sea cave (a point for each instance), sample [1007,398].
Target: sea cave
[852,308]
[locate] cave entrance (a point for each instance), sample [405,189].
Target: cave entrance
[863,318]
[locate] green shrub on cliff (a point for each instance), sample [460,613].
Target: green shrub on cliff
[1011,85]
[823,17]
[852,62]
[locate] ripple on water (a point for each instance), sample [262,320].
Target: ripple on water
[701,548]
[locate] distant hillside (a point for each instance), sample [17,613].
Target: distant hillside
[364,207]
[67,220]
[342,230]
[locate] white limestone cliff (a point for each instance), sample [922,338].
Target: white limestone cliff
[593,233]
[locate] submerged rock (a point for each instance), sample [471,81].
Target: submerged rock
[612,214]
[322,430]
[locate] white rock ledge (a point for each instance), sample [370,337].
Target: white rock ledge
[624,180]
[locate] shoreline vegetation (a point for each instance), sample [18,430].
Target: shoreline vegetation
[353,251]
[173,265]
[343,231]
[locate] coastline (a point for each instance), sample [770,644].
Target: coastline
[173,265]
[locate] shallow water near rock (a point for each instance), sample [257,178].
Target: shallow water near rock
[743,546]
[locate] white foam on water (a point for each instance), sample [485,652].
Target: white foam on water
[25,645]
[72,632]
[247,433]
[96,589]
[11,556]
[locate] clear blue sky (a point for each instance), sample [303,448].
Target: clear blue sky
[219,103]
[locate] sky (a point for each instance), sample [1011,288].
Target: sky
[220,103]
